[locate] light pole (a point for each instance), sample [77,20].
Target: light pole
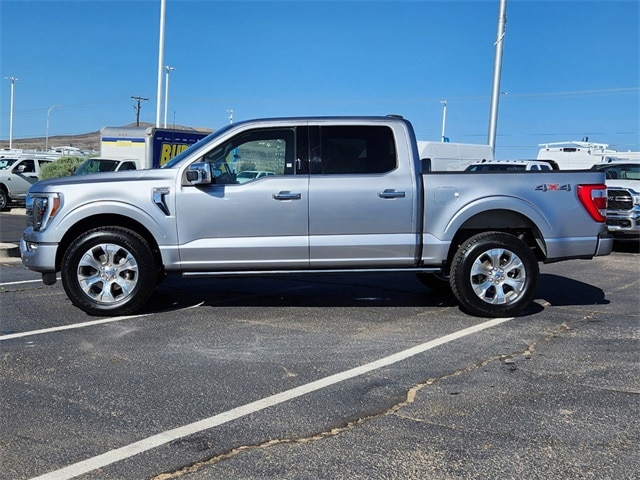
[166,92]
[46,142]
[13,81]
[163,8]
[497,70]
[444,117]
[230,112]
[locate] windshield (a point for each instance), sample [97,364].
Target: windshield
[185,153]
[625,171]
[95,166]
[6,162]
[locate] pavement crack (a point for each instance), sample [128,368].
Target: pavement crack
[412,393]
[410,398]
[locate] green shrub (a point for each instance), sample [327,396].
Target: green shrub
[62,167]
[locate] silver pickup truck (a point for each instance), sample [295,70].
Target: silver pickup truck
[347,194]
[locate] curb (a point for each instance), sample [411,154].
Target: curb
[9,250]
[16,211]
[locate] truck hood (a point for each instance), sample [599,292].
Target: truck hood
[106,177]
[627,184]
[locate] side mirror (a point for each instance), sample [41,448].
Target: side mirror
[199,174]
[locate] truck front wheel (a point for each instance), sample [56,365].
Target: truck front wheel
[494,274]
[109,271]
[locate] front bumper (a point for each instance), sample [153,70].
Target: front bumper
[39,257]
[625,223]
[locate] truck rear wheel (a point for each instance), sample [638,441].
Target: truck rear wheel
[494,274]
[109,271]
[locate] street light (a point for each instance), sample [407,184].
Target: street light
[163,8]
[13,81]
[166,92]
[497,70]
[444,118]
[46,142]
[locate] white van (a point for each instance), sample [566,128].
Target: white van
[444,156]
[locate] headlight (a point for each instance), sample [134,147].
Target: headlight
[43,209]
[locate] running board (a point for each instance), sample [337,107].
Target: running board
[236,273]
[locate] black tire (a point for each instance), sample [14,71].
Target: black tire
[438,282]
[4,200]
[109,271]
[494,274]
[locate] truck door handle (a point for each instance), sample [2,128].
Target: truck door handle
[391,193]
[287,196]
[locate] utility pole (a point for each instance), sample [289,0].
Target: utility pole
[138,107]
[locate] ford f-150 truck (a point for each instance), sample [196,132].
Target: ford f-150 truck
[347,195]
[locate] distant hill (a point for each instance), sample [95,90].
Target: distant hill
[84,141]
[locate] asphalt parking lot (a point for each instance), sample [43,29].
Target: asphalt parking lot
[336,377]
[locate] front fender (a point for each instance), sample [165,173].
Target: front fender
[161,227]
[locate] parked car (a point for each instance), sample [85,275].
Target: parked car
[623,192]
[96,165]
[510,166]
[248,175]
[16,177]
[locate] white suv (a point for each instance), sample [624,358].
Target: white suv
[16,177]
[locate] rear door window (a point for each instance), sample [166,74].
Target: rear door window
[346,150]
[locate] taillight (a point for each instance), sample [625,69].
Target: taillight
[594,200]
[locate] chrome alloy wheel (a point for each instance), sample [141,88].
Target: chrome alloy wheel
[107,273]
[498,276]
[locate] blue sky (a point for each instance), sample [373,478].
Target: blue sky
[570,68]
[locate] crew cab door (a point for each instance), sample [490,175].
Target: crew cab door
[362,202]
[259,224]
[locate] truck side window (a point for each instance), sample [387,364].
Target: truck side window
[356,150]
[253,155]
[27,166]
[128,166]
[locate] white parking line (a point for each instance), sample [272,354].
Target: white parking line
[23,281]
[168,436]
[72,326]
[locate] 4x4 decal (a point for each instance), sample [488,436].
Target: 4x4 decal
[554,187]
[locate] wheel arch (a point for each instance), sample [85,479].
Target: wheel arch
[504,221]
[102,220]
